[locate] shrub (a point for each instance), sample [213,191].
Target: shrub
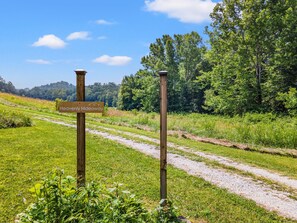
[289,100]
[57,103]
[10,119]
[58,200]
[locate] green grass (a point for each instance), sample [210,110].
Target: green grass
[283,165]
[280,164]
[28,154]
[264,130]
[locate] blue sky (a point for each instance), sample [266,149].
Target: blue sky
[45,41]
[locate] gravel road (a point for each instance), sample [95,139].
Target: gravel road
[258,191]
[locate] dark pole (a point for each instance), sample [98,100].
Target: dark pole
[163,136]
[81,130]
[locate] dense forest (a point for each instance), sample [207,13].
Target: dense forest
[248,64]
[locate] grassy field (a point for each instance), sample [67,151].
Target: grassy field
[29,153]
[258,130]
[266,130]
[25,161]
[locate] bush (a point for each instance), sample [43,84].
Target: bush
[289,100]
[57,103]
[58,200]
[10,119]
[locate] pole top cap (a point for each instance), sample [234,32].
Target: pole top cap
[163,73]
[80,71]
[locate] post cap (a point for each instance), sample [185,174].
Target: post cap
[163,73]
[80,71]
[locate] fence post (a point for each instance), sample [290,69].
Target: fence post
[163,136]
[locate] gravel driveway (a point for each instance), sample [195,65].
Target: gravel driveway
[256,190]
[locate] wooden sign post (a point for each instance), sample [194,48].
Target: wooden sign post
[81,129]
[163,136]
[81,107]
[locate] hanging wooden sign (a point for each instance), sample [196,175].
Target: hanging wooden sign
[81,107]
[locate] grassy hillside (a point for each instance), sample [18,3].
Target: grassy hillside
[28,154]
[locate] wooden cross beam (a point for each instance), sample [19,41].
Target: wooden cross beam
[81,107]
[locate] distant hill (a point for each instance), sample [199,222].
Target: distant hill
[108,93]
[61,90]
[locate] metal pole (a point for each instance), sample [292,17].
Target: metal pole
[81,130]
[163,136]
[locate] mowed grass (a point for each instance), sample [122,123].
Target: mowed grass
[28,154]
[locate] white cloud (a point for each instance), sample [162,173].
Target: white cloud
[104,22]
[79,35]
[113,61]
[187,11]
[50,41]
[39,61]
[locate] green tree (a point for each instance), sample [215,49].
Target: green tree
[126,99]
[247,39]
[7,87]
[182,57]
[191,62]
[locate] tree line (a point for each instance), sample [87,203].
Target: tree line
[7,87]
[107,93]
[248,64]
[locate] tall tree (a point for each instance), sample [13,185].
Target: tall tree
[126,96]
[245,39]
[181,56]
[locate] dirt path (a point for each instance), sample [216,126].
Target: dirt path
[258,191]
